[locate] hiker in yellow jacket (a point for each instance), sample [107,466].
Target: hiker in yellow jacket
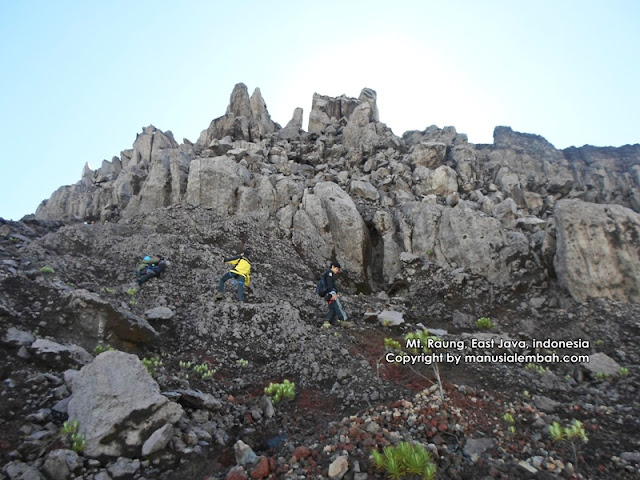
[240,272]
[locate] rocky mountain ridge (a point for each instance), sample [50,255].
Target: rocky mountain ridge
[351,189]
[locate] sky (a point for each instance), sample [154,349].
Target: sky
[80,79]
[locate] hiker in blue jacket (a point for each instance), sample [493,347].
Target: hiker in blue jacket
[335,307]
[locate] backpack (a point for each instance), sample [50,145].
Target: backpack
[321,287]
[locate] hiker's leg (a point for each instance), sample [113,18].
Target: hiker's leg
[146,277]
[341,313]
[331,314]
[159,268]
[224,278]
[240,281]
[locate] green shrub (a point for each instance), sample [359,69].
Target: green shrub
[70,427]
[102,348]
[285,389]
[574,435]
[78,443]
[391,344]
[151,364]
[537,368]
[204,370]
[405,461]
[70,430]
[484,323]
[47,270]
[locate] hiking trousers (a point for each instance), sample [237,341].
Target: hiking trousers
[335,310]
[239,280]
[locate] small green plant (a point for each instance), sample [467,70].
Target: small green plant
[326,325]
[109,290]
[599,342]
[78,443]
[429,251]
[526,394]
[391,344]
[184,364]
[405,461]
[70,429]
[602,376]
[151,364]
[103,348]
[132,291]
[623,372]
[386,322]
[484,323]
[47,270]
[537,368]
[574,435]
[511,428]
[285,389]
[204,370]
[242,362]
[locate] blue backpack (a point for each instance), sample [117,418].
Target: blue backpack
[321,287]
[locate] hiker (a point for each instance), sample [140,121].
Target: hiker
[150,267]
[240,273]
[335,307]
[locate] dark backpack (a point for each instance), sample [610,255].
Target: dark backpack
[321,287]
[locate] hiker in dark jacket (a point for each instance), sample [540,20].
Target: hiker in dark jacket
[241,272]
[150,267]
[335,307]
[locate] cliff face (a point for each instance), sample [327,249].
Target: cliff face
[350,189]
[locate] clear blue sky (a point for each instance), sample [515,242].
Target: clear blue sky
[81,78]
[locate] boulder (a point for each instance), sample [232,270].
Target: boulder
[61,463]
[214,183]
[159,313]
[158,440]
[62,356]
[597,251]
[96,318]
[428,154]
[349,235]
[118,405]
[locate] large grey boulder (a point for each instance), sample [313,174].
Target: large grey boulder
[214,183]
[327,111]
[60,464]
[597,250]
[95,318]
[481,244]
[349,236]
[118,405]
[57,354]
[427,154]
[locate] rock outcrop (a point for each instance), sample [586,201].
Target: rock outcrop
[482,208]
